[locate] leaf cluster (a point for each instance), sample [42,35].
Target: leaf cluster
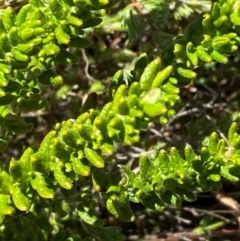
[71,171]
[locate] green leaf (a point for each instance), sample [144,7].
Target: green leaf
[8,18]
[74,20]
[187,73]
[6,206]
[192,53]
[22,14]
[20,169]
[120,208]
[100,180]
[140,65]
[146,167]
[80,165]
[226,173]
[171,198]
[13,36]
[162,76]
[213,143]
[219,57]
[149,74]
[19,56]
[152,201]
[62,179]
[154,109]
[232,131]
[62,36]
[189,154]
[87,214]
[187,194]
[91,22]
[42,187]
[20,199]
[94,157]
[203,55]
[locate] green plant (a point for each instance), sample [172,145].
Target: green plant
[72,171]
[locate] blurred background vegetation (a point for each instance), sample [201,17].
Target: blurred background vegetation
[210,103]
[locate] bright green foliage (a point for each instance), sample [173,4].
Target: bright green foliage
[76,146]
[175,178]
[32,43]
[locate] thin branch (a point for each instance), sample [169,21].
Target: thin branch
[86,69]
[199,212]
